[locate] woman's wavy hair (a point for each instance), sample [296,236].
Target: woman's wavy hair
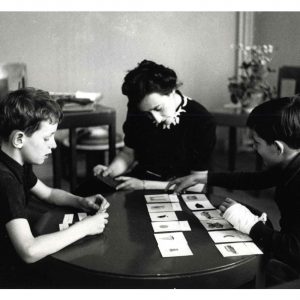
[148,77]
[25,109]
[278,119]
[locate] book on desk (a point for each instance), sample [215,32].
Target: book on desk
[73,102]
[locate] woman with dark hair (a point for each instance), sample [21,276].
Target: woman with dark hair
[166,133]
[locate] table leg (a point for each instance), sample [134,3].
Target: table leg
[232,148]
[73,159]
[112,140]
[56,165]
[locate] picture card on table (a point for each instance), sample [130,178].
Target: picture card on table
[199,205]
[81,215]
[63,226]
[161,198]
[194,197]
[216,224]
[163,216]
[237,249]
[207,215]
[171,226]
[68,219]
[170,250]
[229,236]
[161,207]
[170,238]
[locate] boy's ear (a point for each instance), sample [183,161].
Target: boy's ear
[18,139]
[279,146]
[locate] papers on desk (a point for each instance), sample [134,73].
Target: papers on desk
[163,216]
[161,198]
[171,226]
[161,207]
[236,249]
[69,219]
[172,244]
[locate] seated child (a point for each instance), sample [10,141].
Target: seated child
[275,127]
[28,122]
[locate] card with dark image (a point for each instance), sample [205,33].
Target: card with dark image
[108,180]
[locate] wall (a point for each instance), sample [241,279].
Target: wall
[281,29]
[91,51]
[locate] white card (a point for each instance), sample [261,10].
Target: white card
[216,224]
[229,236]
[81,215]
[160,198]
[163,216]
[199,205]
[237,249]
[63,226]
[171,226]
[208,215]
[170,238]
[68,219]
[160,207]
[170,250]
[194,197]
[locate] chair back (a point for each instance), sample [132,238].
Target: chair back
[288,81]
[16,74]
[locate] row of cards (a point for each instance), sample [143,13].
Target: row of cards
[230,242]
[69,218]
[171,242]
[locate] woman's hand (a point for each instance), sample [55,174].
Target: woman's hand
[129,183]
[102,170]
[185,182]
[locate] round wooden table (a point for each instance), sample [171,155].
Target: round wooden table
[126,255]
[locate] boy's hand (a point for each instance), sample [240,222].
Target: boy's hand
[226,204]
[95,202]
[95,224]
[185,182]
[241,218]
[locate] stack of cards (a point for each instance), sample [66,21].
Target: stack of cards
[172,244]
[68,220]
[162,208]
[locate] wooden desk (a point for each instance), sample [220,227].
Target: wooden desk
[126,255]
[233,118]
[100,116]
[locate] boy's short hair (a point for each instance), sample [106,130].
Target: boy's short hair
[148,77]
[25,109]
[278,119]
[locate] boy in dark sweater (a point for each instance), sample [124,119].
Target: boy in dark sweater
[275,127]
[28,122]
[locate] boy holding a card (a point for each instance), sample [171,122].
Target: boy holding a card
[28,122]
[275,129]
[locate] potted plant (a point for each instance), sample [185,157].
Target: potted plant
[251,86]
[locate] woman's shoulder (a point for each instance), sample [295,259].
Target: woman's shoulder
[195,107]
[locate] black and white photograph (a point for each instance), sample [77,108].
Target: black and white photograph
[149,145]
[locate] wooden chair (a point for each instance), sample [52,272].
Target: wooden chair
[288,81]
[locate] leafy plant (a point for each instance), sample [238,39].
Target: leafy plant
[253,76]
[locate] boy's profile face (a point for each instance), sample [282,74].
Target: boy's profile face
[268,152]
[39,145]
